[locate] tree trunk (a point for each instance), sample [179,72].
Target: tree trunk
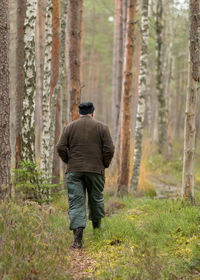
[117,65]
[40,33]
[123,179]
[142,94]
[46,91]
[21,11]
[54,79]
[74,33]
[59,92]
[189,130]
[12,69]
[28,115]
[5,151]
[162,114]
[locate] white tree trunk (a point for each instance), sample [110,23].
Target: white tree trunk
[28,118]
[189,130]
[46,90]
[141,95]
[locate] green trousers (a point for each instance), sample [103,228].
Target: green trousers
[77,184]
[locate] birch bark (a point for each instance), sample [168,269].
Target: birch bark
[142,94]
[44,164]
[28,120]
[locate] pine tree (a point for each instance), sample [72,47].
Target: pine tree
[5,151]
[123,180]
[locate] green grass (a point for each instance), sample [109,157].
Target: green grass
[148,239]
[144,239]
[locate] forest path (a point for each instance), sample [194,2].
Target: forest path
[82,266]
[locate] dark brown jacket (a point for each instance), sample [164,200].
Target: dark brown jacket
[86,146]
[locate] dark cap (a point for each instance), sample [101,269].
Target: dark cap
[86,108]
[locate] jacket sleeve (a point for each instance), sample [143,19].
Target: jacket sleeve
[107,147]
[62,145]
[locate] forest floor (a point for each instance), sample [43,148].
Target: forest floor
[142,237]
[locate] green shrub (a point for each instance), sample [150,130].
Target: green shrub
[30,184]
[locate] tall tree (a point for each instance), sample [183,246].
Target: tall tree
[162,114]
[5,151]
[12,69]
[59,93]
[117,65]
[28,116]
[142,94]
[74,40]
[46,90]
[40,33]
[123,180]
[189,130]
[21,11]
[54,94]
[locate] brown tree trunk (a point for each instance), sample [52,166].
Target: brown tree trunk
[21,10]
[123,180]
[189,131]
[5,151]
[40,33]
[74,35]
[12,83]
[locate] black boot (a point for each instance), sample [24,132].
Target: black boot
[78,235]
[96,224]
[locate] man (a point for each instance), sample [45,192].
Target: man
[87,148]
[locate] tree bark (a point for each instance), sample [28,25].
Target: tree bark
[44,164]
[58,93]
[189,130]
[12,69]
[123,179]
[5,150]
[28,115]
[54,79]
[162,114]
[21,11]
[40,33]
[74,34]
[117,65]
[143,72]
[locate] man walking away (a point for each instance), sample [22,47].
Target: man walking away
[87,148]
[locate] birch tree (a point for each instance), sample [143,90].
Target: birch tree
[46,90]
[189,129]
[162,114]
[40,33]
[28,120]
[5,151]
[142,94]
[123,180]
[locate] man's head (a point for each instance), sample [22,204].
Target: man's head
[86,108]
